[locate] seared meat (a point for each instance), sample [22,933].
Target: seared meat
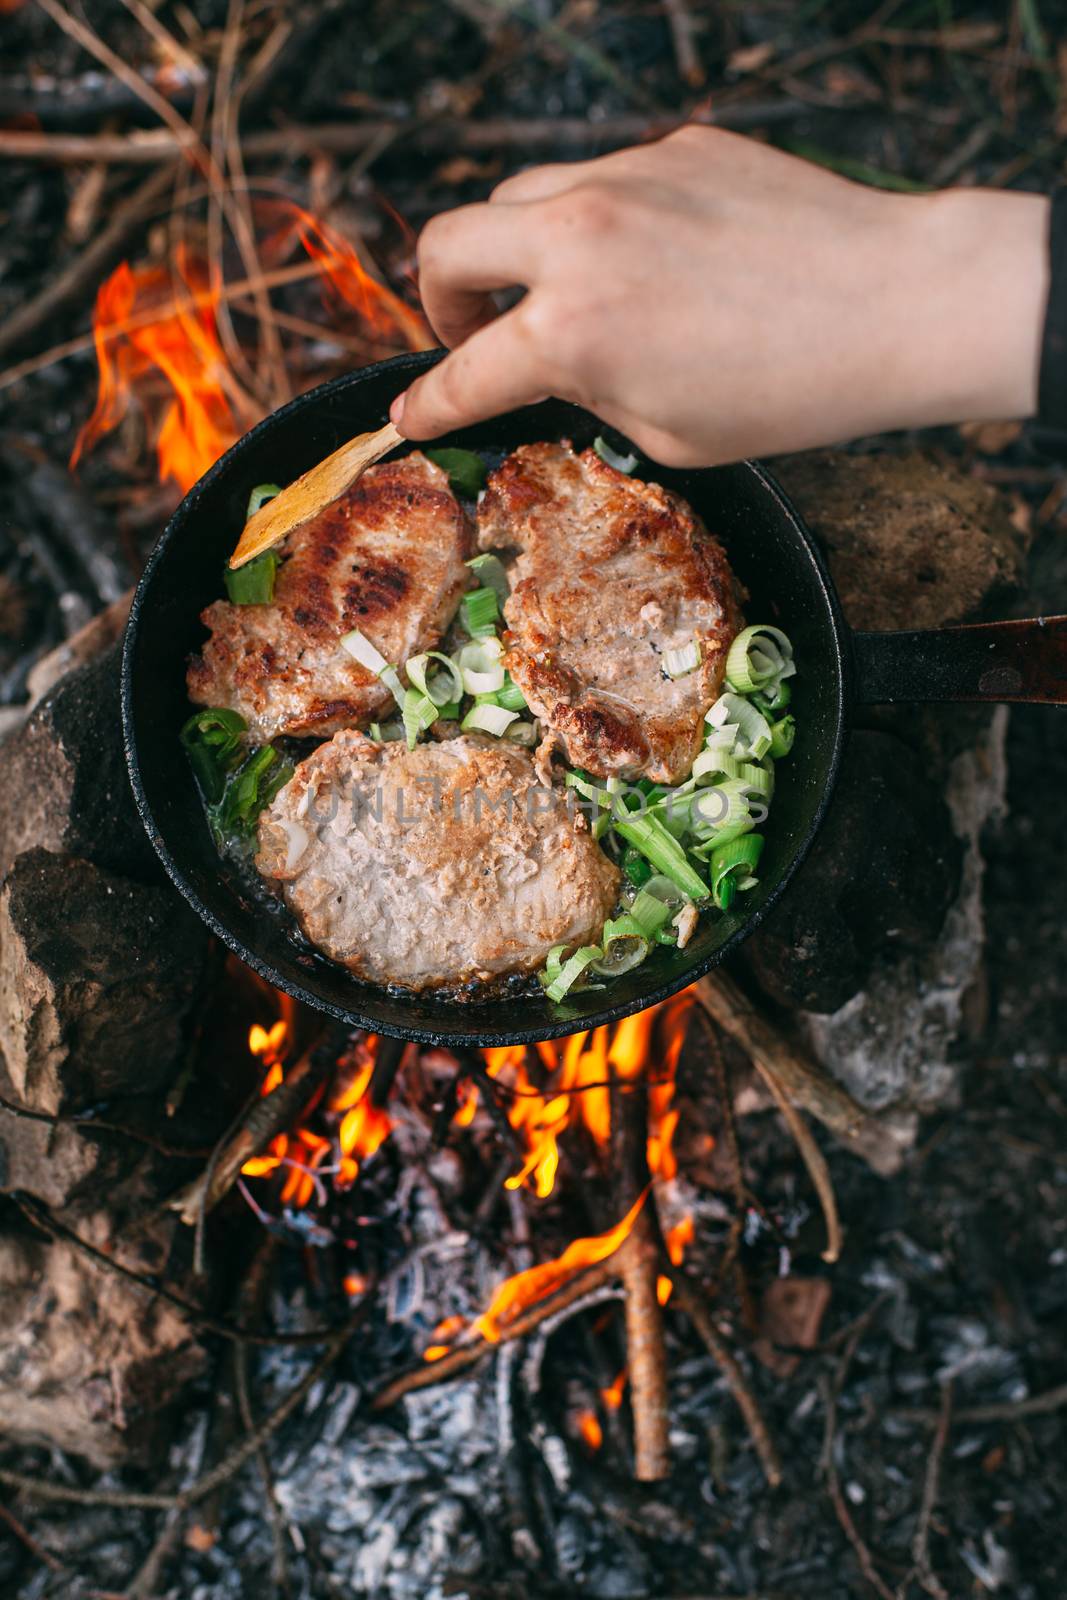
[387,558]
[434,866]
[611,573]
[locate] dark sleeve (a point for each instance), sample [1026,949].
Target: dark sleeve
[1052,383]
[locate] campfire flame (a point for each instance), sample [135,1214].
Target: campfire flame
[161,322]
[182,344]
[552,1089]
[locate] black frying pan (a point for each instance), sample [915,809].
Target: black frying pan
[771,552]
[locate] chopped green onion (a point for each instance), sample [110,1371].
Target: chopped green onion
[488,719]
[758,658]
[480,612]
[253,584]
[625,946]
[489,570]
[636,868]
[449,712]
[677,663]
[612,457]
[362,650]
[419,713]
[368,655]
[445,687]
[212,740]
[778,700]
[554,961]
[782,735]
[732,862]
[466,471]
[572,970]
[511,696]
[479,665]
[588,789]
[753,737]
[650,913]
[665,853]
[259,497]
[524,733]
[249,790]
[722,806]
[376,732]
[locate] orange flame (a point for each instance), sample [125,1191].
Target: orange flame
[383,311]
[590,1429]
[183,345]
[516,1293]
[160,320]
[612,1395]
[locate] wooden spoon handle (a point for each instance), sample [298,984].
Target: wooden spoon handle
[318,487]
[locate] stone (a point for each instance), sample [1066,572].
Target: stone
[911,543]
[96,976]
[66,787]
[89,1362]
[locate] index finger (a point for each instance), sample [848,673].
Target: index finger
[463,255]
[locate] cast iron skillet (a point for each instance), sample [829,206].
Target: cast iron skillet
[772,553]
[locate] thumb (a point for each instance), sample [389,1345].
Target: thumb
[495,370]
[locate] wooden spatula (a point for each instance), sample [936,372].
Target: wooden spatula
[306,497]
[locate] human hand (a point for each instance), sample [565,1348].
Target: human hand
[713,298]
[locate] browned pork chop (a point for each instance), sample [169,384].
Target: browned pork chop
[611,573]
[436,866]
[387,558]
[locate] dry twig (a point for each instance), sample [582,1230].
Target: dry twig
[716,1347]
[468,1355]
[802,1079]
[270,1115]
[828,1465]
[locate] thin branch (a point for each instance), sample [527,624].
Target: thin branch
[698,1314]
[349,138]
[1035,1405]
[639,1262]
[828,1464]
[298,272]
[468,1355]
[812,1157]
[920,1549]
[80,274]
[800,1076]
[270,1115]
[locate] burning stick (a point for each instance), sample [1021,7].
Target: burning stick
[639,1257]
[273,1114]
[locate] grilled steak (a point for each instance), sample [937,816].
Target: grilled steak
[387,558]
[611,573]
[435,866]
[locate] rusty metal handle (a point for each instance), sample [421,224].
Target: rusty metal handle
[992,661]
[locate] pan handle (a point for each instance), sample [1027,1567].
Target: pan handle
[1022,660]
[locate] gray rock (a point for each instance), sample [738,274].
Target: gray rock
[96,975]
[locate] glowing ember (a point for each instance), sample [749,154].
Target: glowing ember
[442,1334]
[612,1395]
[590,1429]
